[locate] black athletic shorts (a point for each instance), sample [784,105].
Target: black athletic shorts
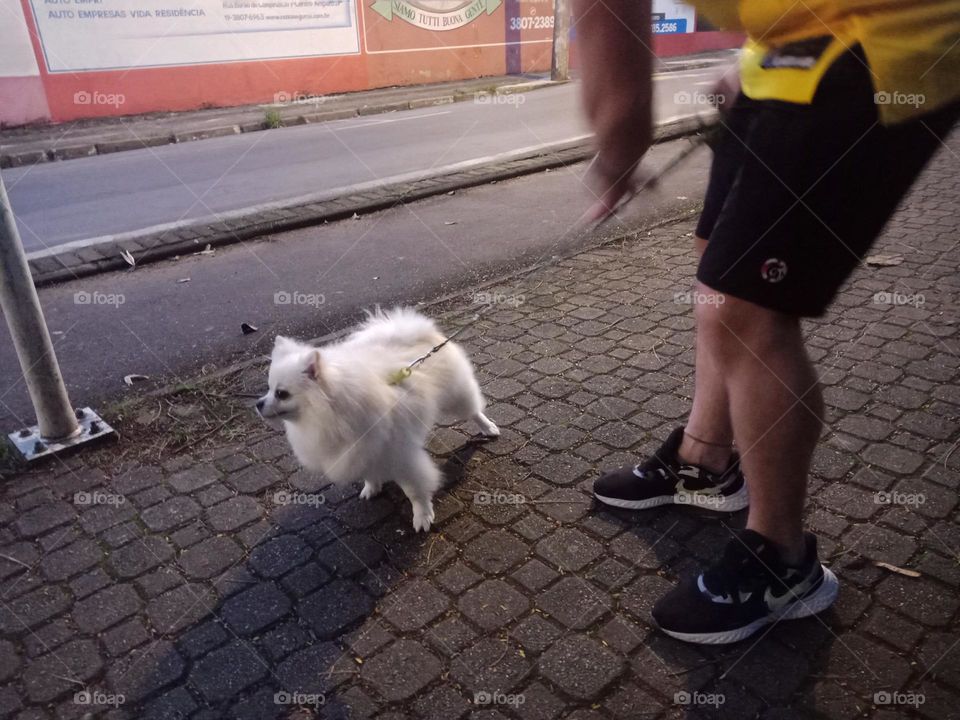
[798,193]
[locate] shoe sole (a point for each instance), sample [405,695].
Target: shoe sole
[718,503]
[822,598]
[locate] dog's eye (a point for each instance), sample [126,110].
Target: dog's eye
[281,394]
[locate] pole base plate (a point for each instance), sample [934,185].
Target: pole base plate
[33,447]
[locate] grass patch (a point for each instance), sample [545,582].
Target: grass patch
[273,119]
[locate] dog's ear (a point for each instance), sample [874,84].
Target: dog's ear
[282,345]
[314,366]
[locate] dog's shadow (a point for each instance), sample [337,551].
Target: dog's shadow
[292,616]
[454,466]
[453,470]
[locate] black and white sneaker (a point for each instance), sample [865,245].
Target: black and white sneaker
[749,588]
[664,479]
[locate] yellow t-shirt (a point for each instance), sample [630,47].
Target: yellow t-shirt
[912,46]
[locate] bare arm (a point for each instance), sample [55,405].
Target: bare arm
[614,43]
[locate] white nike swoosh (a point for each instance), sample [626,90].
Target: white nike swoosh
[775,603]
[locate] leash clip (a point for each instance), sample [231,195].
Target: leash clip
[398,376]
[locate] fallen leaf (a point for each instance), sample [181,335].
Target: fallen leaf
[183,280]
[247,328]
[884,260]
[125,254]
[898,570]
[450,222]
[131,379]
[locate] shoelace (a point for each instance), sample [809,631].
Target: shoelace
[738,570]
[659,471]
[656,464]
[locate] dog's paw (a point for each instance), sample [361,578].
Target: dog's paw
[423,518]
[487,428]
[369,491]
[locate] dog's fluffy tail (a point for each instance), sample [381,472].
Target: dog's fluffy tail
[402,325]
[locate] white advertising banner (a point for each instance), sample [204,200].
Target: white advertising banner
[672,17]
[79,35]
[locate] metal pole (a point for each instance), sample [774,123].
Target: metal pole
[21,307]
[560,65]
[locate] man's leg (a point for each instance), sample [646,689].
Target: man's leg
[710,415]
[706,442]
[775,406]
[771,570]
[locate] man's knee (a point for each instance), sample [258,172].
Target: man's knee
[731,327]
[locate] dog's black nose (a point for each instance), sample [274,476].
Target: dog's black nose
[260,405]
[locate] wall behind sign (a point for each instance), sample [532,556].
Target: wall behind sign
[22,96]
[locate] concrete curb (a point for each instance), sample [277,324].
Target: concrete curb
[96,255]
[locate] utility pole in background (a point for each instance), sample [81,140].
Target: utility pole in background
[58,425]
[560,66]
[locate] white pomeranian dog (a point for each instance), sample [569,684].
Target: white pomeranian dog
[352,412]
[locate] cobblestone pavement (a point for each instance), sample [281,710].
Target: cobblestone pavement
[206,594]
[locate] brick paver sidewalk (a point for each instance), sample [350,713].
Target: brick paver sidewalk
[231,584]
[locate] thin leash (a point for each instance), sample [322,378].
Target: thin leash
[403,373]
[706,134]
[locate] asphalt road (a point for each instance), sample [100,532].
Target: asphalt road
[102,195]
[169,319]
